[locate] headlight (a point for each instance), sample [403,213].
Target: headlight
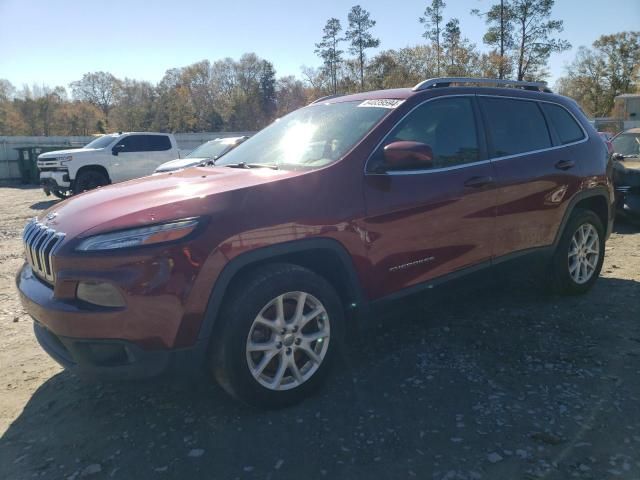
[66,159]
[135,237]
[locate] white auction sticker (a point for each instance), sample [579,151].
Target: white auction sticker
[382,103]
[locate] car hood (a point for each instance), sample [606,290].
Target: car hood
[154,199]
[632,163]
[179,163]
[71,151]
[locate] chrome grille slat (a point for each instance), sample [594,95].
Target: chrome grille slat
[32,233]
[35,246]
[46,236]
[27,229]
[40,244]
[25,235]
[31,245]
[46,250]
[54,242]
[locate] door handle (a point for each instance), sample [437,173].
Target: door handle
[565,164]
[478,181]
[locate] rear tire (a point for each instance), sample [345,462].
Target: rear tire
[578,258]
[88,180]
[278,333]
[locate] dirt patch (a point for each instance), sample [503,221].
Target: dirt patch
[486,379]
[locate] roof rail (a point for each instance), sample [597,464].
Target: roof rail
[449,81]
[325,98]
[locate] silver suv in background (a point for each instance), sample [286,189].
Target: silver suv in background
[206,153]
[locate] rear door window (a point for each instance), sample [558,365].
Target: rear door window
[563,123]
[158,143]
[514,126]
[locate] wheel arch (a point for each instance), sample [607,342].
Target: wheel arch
[596,200]
[598,205]
[94,167]
[324,256]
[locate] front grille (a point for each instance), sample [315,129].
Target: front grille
[623,188]
[40,243]
[50,162]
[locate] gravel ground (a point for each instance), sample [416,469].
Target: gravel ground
[483,379]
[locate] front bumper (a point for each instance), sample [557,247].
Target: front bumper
[626,177]
[112,359]
[109,358]
[55,180]
[628,200]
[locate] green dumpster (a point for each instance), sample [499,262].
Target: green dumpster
[28,158]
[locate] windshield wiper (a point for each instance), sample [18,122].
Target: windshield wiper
[208,162]
[272,166]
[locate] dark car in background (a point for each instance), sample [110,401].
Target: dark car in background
[256,267]
[626,156]
[606,138]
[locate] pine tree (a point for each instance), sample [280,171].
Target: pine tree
[328,50]
[360,37]
[432,22]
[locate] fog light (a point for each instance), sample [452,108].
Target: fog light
[100,293]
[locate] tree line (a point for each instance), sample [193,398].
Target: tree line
[598,74]
[246,94]
[232,95]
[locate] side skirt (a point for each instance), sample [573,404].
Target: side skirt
[543,254]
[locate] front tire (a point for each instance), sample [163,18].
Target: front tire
[279,332]
[578,258]
[89,179]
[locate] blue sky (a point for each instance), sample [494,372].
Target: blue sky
[54,42]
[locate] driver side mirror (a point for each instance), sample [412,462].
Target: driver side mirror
[117,149]
[405,155]
[617,156]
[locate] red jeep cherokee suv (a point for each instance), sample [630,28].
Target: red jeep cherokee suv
[255,266]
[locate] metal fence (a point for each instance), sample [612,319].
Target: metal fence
[9,155]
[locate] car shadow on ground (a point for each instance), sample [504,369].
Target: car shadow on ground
[480,380]
[43,205]
[19,186]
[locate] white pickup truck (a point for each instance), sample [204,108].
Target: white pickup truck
[107,159]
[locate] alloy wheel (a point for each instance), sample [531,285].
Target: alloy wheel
[288,341]
[584,253]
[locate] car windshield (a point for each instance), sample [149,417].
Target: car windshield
[311,137]
[212,149]
[627,144]
[101,142]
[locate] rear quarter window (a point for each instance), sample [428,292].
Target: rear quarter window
[565,126]
[514,126]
